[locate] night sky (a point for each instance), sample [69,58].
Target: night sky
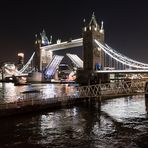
[125,24]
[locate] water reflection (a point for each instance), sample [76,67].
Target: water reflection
[10,93]
[129,107]
[146,104]
[121,122]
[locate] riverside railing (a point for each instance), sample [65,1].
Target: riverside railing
[115,88]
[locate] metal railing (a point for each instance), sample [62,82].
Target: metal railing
[114,88]
[108,89]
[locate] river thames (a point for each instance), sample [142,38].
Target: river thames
[115,123]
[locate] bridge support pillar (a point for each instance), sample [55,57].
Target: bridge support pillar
[146,90]
[35,77]
[86,77]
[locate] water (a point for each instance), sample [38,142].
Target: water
[116,123]
[10,93]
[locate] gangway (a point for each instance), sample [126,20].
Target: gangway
[76,60]
[52,66]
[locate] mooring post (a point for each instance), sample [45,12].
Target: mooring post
[146,90]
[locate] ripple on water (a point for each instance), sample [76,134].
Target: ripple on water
[120,122]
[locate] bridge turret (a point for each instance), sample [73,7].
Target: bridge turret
[102,28]
[93,25]
[44,38]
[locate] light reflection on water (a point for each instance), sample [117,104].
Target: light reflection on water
[121,122]
[129,107]
[10,93]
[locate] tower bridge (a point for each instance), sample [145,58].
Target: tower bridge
[99,60]
[98,57]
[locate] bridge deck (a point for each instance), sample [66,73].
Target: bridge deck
[123,71]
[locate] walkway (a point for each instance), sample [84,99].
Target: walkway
[35,100]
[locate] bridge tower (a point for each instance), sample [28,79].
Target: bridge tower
[93,56]
[37,74]
[42,57]
[37,63]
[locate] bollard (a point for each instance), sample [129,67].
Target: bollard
[146,90]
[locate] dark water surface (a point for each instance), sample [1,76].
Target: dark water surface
[116,123]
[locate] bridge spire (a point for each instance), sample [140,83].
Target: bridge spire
[93,22]
[44,38]
[102,28]
[84,25]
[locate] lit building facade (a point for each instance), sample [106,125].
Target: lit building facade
[20,62]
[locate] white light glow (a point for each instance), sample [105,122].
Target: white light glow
[20,54]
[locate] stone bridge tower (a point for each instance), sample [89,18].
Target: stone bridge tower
[93,56]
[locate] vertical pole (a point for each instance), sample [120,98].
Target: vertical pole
[2,73]
[104,59]
[117,65]
[110,62]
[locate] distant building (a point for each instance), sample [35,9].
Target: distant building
[20,62]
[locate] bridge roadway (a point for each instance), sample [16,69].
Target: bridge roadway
[123,71]
[100,71]
[137,71]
